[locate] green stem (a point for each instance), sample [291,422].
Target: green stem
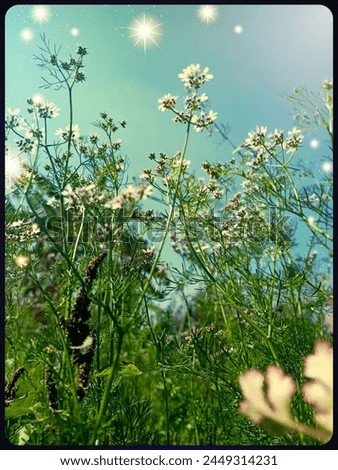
[157,345]
[168,223]
[166,399]
[75,408]
[70,97]
[79,234]
[107,390]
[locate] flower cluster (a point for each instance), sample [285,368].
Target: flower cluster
[147,175]
[13,119]
[130,195]
[267,398]
[29,134]
[43,109]
[71,133]
[256,139]
[258,142]
[66,71]
[179,243]
[167,101]
[193,78]
[193,102]
[21,231]
[203,120]
[79,197]
[294,139]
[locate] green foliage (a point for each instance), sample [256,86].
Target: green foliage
[119,346]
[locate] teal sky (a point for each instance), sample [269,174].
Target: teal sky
[257,53]
[280,47]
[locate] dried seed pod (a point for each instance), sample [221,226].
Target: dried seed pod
[11,387]
[93,267]
[80,310]
[51,387]
[80,336]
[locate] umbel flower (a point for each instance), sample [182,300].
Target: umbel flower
[129,195]
[167,101]
[66,135]
[193,78]
[267,397]
[44,109]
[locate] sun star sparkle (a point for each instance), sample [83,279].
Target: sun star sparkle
[327,167]
[75,32]
[238,29]
[314,143]
[14,169]
[37,99]
[208,13]
[145,31]
[21,261]
[27,35]
[41,14]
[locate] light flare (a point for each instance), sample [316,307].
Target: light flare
[75,32]
[13,168]
[21,261]
[27,35]
[314,143]
[208,13]
[41,14]
[145,32]
[327,167]
[37,99]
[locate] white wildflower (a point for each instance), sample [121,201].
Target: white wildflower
[66,134]
[167,102]
[17,224]
[256,138]
[147,175]
[132,194]
[13,112]
[276,137]
[46,109]
[294,139]
[52,201]
[194,76]
[192,103]
[203,120]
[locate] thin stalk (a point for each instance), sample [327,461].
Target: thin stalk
[240,312]
[75,408]
[168,223]
[157,345]
[166,400]
[70,97]
[107,390]
[79,235]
